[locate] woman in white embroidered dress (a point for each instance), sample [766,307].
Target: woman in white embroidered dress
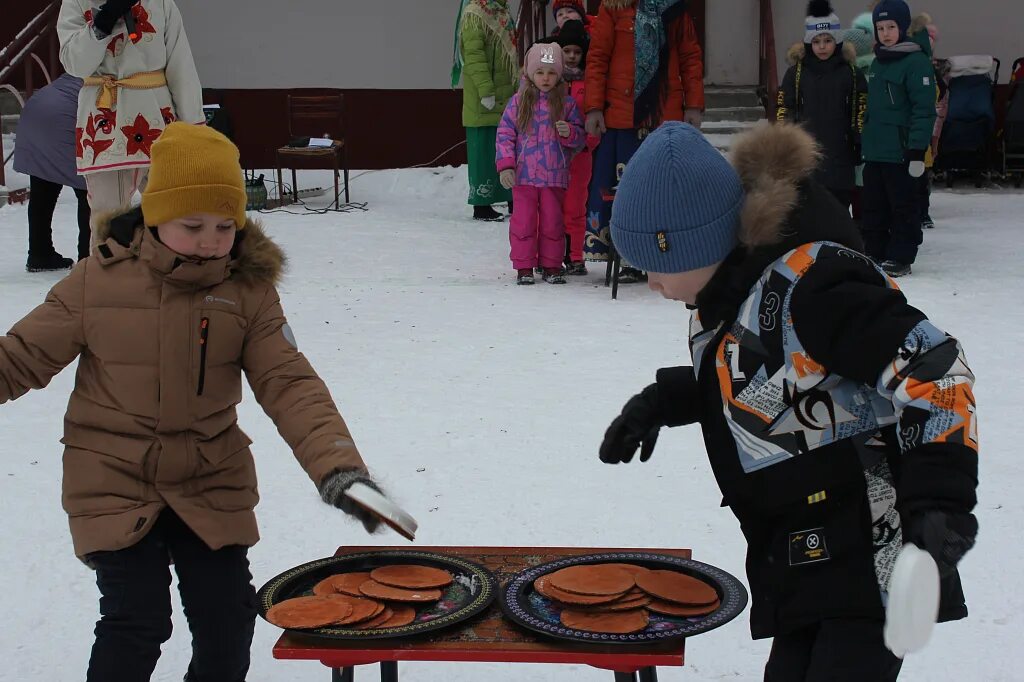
[139,77]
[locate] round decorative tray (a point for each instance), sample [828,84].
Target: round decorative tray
[472,591]
[526,607]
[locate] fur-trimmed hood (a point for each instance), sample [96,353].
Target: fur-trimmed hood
[798,51]
[783,209]
[255,258]
[618,4]
[771,160]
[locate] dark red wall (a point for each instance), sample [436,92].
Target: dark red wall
[387,128]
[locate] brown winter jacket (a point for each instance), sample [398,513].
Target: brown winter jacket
[151,422]
[611,66]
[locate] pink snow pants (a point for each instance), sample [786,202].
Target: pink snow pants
[575,206]
[537,228]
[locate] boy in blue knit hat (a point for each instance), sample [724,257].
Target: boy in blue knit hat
[838,420]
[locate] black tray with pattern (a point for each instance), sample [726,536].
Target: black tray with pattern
[472,591]
[526,607]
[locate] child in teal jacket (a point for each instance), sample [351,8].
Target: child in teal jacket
[897,133]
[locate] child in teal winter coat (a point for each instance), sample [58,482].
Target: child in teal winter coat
[897,133]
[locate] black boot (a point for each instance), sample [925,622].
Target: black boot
[487,213]
[48,263]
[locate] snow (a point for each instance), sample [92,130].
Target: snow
[480,406]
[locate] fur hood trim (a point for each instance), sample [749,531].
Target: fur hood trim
[618,4]
[255,257]
[796,53]
[919,23]
[771,160]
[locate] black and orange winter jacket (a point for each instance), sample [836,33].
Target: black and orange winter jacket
[832,410]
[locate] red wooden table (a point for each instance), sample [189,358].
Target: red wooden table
[489,637]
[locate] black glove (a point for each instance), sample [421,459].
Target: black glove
[111,11]
[947,536]
[332,491]
[637,426]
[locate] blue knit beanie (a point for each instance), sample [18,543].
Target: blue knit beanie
[892,10]
[678,204]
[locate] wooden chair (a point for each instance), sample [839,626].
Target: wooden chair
[315,116]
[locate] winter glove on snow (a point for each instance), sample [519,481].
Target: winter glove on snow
[916,167]
[507,178]
[947,536]
[595,123]
[488,102]
[637,426]
[332,491]
[694,117]
[108,15]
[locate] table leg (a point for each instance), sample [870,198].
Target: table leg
[649,674]
[625,677]
[343,674]
[616,264]
[389,671]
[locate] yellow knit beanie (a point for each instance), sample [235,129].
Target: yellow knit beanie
[194,169]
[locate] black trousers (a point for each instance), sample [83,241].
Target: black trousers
[833,651]
[42,201]
[843,196]
[135,606]
[925,189]
[891,212]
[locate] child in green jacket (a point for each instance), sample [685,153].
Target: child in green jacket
[897,133]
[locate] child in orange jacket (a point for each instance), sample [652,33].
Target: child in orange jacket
[645,66]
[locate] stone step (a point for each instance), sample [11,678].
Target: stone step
[9,123]
[726,127]
[9,103]
[721,97]
[741,114]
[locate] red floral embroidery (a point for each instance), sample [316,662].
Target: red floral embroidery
[100,146]
[140,136]
[112,45]
[142,25]
[106,121]
[88,16]
[168,115]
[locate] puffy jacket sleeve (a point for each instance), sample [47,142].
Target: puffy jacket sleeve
[577,137]
[81,52]
[505,140]
[691,63]
[599,58]
[856,326]
[678,396]
[860,103]
[46,340]
[293,395]
[785,100]
[182,77]
[920,86]
[474,57]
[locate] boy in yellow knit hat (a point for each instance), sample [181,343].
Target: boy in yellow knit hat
[176,301]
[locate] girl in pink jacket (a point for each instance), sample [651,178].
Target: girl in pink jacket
[539,133]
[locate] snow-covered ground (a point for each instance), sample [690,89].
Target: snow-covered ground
[480,405]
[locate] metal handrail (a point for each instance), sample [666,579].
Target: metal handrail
[22,51]
[769,69]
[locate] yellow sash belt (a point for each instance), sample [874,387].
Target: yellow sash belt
[107,96]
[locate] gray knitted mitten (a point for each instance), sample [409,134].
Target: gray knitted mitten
[332,491]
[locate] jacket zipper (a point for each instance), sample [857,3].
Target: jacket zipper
[204,338]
